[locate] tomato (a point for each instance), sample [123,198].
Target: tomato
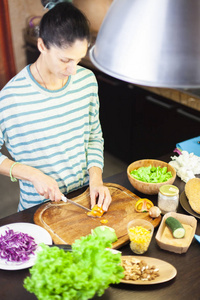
[143,205]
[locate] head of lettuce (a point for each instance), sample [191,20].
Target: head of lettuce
[78,275]
[106,233]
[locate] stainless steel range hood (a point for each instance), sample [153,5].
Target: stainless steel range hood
[151,42]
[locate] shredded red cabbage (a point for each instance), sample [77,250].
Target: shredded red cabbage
[16,246]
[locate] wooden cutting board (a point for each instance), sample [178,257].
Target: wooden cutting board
[66,222]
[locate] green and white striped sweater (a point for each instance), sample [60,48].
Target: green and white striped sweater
[57,132]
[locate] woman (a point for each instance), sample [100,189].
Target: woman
[50,116]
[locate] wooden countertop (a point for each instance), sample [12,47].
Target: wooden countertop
[187,98]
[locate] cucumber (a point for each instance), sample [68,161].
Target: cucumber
[178,231]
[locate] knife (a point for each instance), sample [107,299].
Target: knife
[65,199]
[65,247]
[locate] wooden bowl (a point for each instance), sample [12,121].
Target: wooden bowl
[145,187]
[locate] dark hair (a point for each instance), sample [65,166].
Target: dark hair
[62,25]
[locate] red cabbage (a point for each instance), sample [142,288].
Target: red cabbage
[16,246]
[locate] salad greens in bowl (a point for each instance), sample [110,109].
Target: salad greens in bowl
[148,175]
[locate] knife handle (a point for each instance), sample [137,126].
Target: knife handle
[65,247]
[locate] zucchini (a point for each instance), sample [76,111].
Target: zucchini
[178,231]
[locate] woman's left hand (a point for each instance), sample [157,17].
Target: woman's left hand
[99,193]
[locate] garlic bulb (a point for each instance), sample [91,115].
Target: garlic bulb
[154,211]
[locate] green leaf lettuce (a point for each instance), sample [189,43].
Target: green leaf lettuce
[151,174]
[78,275]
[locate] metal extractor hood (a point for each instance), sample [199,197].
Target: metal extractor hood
[151,42]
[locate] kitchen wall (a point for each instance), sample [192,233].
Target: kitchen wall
[22,10]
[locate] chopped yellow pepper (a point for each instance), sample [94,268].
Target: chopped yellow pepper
[143,205]
[104,221]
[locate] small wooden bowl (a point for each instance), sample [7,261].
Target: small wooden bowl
[145,187]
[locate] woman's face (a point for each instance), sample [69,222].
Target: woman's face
[62,62]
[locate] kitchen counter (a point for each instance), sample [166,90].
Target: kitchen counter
[187,97]
[184,286]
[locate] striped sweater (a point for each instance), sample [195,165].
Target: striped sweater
[57,132]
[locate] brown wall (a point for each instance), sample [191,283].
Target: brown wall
[20,11]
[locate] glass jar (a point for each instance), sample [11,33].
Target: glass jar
[168,198]
[140,233]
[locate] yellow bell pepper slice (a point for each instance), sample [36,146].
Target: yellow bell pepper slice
[143,205]
[96,212]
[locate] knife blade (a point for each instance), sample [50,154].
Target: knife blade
[65,199]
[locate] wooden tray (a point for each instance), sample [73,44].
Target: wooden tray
[66,222]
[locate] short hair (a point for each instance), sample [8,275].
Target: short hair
[62,25]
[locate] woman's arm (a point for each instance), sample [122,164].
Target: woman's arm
[44,184]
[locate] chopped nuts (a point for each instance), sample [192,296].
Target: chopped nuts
[136,269]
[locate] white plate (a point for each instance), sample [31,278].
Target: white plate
[166,270]
[39,234]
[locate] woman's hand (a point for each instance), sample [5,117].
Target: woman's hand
[46,186]
[99,194]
